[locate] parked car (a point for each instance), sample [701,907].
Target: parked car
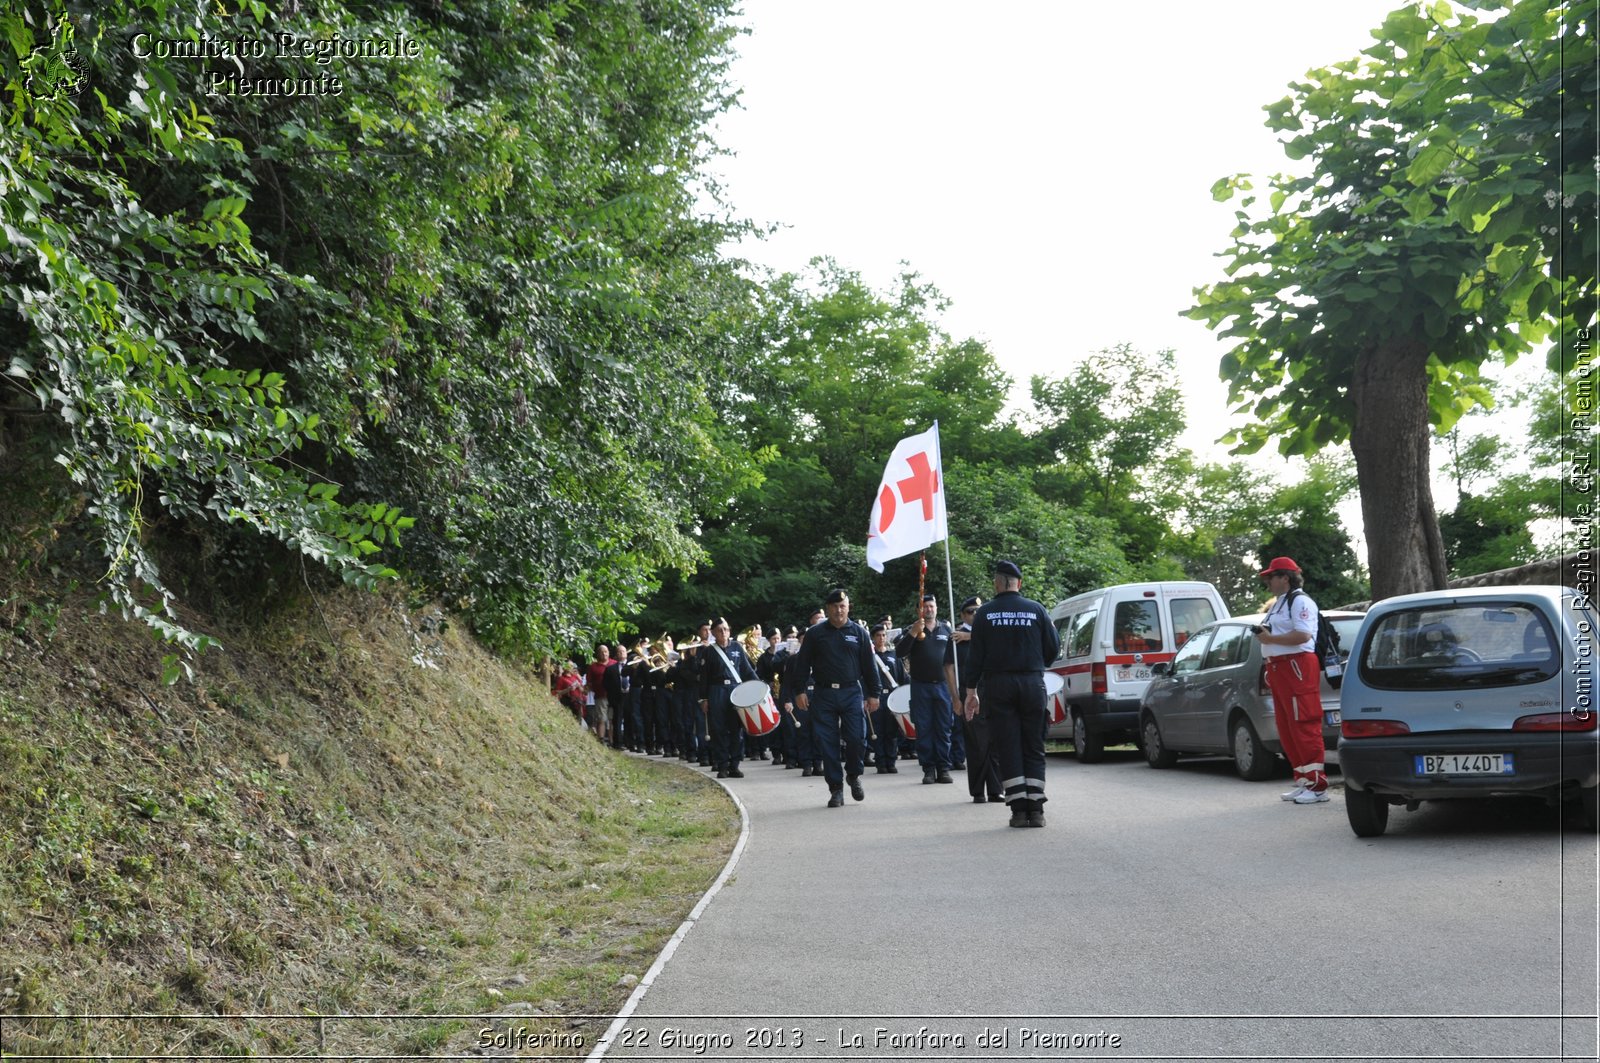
[1213,698]
[1110,638]
[1471,693]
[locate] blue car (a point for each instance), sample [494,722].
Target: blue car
[1471,693]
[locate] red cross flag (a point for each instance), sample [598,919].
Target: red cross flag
[908,514]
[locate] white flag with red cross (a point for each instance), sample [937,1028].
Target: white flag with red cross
[908,513]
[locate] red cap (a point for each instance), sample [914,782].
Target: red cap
[1280,564]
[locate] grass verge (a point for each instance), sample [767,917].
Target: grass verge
[352,811]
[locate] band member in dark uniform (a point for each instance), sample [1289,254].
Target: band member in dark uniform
[891,674]
[837,654]
[769,668]
[983,774]
[723,666]
[617,697]
[924,648]
[1013,642]
[806,757]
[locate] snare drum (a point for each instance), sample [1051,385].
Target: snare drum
[757,710]
[1054,702]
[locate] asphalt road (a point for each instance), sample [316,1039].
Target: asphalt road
[1181,914]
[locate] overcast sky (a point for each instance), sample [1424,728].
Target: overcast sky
[1048,166]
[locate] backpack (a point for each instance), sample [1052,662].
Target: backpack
[1328,650]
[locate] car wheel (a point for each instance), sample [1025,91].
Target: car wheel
[1091,749]
[1156,753]
[1252,759]
[1368,813]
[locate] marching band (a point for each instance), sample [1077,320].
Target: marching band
[829,699]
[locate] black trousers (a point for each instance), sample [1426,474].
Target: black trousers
[983,770]
[1015,705]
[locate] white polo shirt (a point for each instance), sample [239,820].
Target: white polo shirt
[1300,617]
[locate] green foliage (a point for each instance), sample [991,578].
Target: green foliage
[1492,525]
[129,304]
[1323,551]
[471,287]
[1441,224]
[846,372]
[1389,237]
[1483,535]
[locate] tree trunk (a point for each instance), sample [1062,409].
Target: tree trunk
[1390,439]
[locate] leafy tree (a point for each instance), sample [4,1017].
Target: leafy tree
[1481,535]
[473,285]
[1111,423]
[848,371]
[1365,302]
[1502,490]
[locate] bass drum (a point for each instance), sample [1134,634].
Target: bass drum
[900,705]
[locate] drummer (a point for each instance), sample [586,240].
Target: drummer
[891,674]
[723,666]
[983,770]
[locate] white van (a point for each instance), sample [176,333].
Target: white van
[1109,639]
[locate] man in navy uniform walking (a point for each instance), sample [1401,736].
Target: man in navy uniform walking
[837,655]
[723,666]
[1013,641]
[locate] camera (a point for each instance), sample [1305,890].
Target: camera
[1259,629]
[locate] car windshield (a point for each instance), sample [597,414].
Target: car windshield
[1345,627]
[1458,645]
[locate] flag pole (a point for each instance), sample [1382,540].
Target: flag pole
[949,579]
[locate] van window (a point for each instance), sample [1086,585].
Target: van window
[1063,629]
[1188,616]
[1080,642]
[1137,628]
[1456,645]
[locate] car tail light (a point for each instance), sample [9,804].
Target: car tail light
[1261,683]
[1556,721]
[1097,679]
[1372,728]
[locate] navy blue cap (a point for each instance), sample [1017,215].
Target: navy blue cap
[1007,568]
[835,596]
[971,603]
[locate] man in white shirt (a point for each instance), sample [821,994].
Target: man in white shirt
[1288,637]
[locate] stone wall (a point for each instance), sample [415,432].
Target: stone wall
[1573,570]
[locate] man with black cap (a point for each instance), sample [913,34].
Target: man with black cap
[837,654]
[806,757]
[1013,641]
[925,649]
[891,674]
[1288,637]
[723,666]
[983,773]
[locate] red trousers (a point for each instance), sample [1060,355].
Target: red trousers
[1295,680]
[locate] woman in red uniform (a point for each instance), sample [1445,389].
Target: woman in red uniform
[1288,636]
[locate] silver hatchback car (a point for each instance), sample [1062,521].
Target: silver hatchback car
[1471,693]
[1213,698]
